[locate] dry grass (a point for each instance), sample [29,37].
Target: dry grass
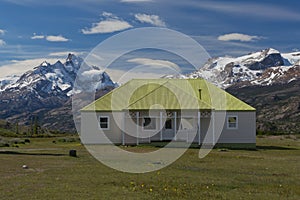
[271,172]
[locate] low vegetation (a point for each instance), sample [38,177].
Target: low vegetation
[270,172]
[282,98]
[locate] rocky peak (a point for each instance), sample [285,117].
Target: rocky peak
[250,69]
[269,58]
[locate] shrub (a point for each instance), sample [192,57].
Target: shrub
[4,143]
[68,140]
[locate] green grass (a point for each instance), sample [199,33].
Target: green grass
[270,172]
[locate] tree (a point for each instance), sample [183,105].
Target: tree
[17,127]
[35,125]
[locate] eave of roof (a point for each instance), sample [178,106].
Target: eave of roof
[168,94]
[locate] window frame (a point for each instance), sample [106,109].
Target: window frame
[236,122]
[108,122]
[145,127]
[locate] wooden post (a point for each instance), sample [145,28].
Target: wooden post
[160,126]
[175,125]
[137,128]
[199,128]
[123,129]
[213,125]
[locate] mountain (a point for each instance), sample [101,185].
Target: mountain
[8,80]
[267,80]
[266,67]
[45,92]
[277,106]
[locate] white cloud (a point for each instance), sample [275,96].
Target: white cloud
[56,38]
[110,24]
[270,11]
[35,37]
[155,63]
[122,77]
[65,53]
[107,26]
[135,1]
[108,14]
[20,67]
[151,19]
[50,38]
[2,42]
[238,37]
[2,32]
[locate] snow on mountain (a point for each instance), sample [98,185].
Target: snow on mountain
[45,92]
[8,80]
[259,68]
[57,78]
[293,58]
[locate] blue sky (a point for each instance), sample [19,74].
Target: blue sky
[33,30]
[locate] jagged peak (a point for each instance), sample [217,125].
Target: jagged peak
[58,62]
[71,57]
[44,64]
[269,51]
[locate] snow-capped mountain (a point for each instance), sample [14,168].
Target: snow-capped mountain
[58,78]
[8,80]
[266,67]
[47,87]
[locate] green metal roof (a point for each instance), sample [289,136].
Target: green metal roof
[168,94]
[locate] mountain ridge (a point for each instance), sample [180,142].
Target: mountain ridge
[46,88]
[249,69]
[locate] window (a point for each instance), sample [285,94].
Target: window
[232,122]
[104,122]
[168,124]
[149,124]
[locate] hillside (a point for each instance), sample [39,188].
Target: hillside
[45,92]
[277,106]
[268,80]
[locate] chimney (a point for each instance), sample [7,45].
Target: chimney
[200,94]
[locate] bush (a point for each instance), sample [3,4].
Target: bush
[68,140]
[4,143]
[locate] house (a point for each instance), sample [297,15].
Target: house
[183,110]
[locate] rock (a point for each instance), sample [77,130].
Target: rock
[25,167]
[72,153]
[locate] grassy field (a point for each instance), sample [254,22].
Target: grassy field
[270,172]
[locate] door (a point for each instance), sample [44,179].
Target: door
[168,130]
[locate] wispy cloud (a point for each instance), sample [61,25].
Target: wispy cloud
[50,38]
[154,63]
[56,38]
[37,37]
[136,1]
[2,32]
[250,9]
[238,37]
[2,42]
[65,53]
[110,24]
[150,19]
[20,67]
[227,48]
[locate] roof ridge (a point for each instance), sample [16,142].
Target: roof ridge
[148,93]
[181,90]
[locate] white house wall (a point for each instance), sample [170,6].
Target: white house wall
[219,133]
[90,130]
[246,131]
